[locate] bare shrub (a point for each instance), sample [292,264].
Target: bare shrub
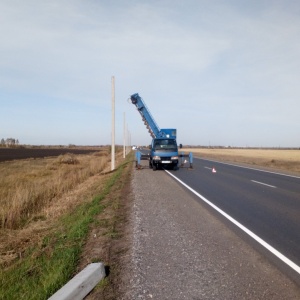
[68,158]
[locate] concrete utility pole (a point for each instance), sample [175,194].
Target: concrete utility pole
[113,123]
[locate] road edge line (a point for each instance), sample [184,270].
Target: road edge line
[283,258]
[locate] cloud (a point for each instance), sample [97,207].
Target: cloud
[226,61]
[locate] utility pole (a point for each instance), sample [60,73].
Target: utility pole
[113,123]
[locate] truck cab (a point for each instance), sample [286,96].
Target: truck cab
[163,153]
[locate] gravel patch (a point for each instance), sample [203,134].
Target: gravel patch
[183,251]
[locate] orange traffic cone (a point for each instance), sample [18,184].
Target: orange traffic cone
[214,170]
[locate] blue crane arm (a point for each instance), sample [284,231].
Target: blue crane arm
[146,115]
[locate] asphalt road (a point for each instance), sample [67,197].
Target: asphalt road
[183,249]
[266,203]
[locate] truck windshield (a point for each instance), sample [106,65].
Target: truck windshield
[168,144]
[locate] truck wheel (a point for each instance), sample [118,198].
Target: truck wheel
[154,167]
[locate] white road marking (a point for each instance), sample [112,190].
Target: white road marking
[265,171]
[272,186]
[208,168]
[242,227]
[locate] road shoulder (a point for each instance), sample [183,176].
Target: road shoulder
[183,251]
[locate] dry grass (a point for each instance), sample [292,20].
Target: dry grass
[287,160]
[35,193]
[28,186]
[41,255]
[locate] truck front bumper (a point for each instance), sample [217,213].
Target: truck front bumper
[165,160]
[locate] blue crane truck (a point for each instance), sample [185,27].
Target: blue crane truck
[163,149]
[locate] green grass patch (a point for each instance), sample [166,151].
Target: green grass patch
[45,268]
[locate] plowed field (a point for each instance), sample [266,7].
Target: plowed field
[23,153]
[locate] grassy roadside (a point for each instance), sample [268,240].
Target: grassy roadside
[45,267]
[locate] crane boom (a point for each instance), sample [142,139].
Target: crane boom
[147,118]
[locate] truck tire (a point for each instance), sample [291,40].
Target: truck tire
[154,167]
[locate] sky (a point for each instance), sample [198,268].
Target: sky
[223,73]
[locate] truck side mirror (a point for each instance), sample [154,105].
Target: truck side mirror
[180,146]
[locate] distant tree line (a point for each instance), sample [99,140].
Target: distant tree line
[9,142]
